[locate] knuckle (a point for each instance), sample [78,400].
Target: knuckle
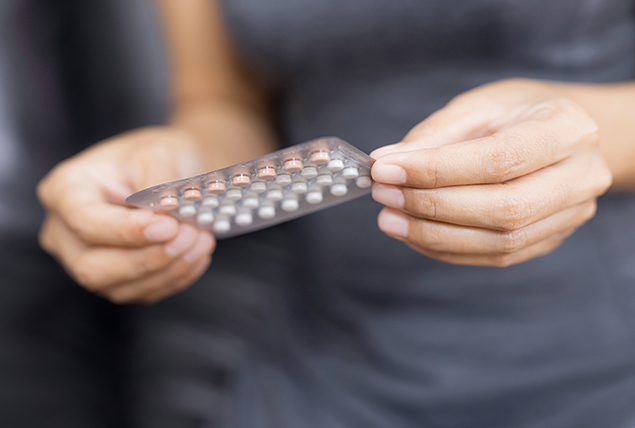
[86,275]
[513,241]
[590,211]
[118,298]
[502,261]
[424,203]
[503,160]
[514,212]
[431,175]
[429,237]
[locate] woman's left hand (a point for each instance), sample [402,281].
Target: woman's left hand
[501,175]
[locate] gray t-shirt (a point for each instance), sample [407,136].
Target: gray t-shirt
[326,322]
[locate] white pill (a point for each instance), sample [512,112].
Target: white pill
[283,179]
[210,201]
[324,180]
[309,172]
[187,210]
[234,194]
[227,209]
[258,187]
[205,217]
[335,165]
[314,197]
[244,218]
[222,225]
[290,205]
[274,195]
[267,212]
[350,172]
[364,182]
[339,189]
[251,202]
[299,187]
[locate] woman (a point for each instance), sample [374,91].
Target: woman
[358,329]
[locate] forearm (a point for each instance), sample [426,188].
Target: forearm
[225,133]
[613,109]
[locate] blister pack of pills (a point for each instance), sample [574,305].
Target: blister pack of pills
[275,188]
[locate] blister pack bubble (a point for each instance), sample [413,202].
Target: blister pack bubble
[266,191]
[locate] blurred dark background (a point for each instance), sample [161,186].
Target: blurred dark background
[72,72]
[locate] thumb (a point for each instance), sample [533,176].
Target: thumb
[460,120]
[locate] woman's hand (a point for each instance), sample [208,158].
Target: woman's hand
[124,254]
[502,174]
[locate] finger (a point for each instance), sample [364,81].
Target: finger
[449,238]
[97,268]
[84,202]
[501,260]
[179,284]
[175,278]
[508,206]
[510,153]
[460,120]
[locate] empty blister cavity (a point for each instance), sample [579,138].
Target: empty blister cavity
[266,191]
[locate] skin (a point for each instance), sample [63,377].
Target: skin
[502,174]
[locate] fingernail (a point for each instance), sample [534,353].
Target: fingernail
[203,246]
[394,224]
[160,231]
[185,240]
[389,174]
[388,195]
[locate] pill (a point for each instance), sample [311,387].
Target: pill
[293,165]
[350,172]
[314,197]
[241,180]
[274,194]
[210,201]
[244,218]
[299,187]
[192,194]
[205,217]
[187,210]
[283,179]
[290,205]
[364,182]
[324,180]
[339,189]
[335,165]
[309,172]
[227,208]
[169,203]
[258,186]
[266,212]
[216,187]
[222,225]
[251,202]
[320,157]
[266,173]
[234,194]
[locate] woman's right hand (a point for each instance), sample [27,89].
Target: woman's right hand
[124,254]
